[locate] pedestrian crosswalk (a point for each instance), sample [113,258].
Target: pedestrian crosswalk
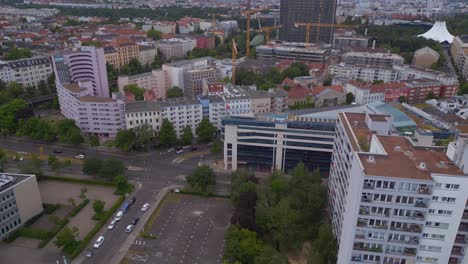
[177,160]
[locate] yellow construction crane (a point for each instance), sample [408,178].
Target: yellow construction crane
[233,62]
[319,25]
[249,13]
[268,31]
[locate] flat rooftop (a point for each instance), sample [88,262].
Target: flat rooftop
[8,180]
[403,160]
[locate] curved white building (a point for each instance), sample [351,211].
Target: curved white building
[439,33]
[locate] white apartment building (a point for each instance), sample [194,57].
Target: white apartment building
[176,71]
[182,112]
[238,104]
[27,72]
[143,112]
[175,47]
[408,72]
[156,81]
[217,110]
[146,54]
[366,73]
[392,201]
[372,58]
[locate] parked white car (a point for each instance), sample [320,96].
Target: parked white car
[79,156]
[118,216]
[99,242]
[145,207]
[111,225]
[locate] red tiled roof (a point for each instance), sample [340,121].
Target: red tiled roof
[149,95]
[288,81]
[381,87]
[298,91]
[317,90]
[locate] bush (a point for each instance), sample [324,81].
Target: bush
[50,208]
[78,208]
[61,224]
[81,181]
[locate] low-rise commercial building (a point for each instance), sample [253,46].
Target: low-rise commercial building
[175,47]
[267,144]
[294,51]
[156,81]
[20,200]
[372,58]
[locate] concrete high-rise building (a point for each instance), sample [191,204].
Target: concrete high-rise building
[312,11]
[393,199]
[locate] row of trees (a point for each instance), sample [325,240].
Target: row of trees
[284,212]
[64,130]
[272,78]
[12,90]
[17,53]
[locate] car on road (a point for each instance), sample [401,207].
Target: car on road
[170,150]
[111,225]
[89,253]
[80,156]
[135,221]
[99,242]
[57,151]
[132,201]
[145,207]
[180,151]
[193,148]
[129,228]
[125,207]
[118,216]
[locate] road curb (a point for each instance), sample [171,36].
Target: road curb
[129,241]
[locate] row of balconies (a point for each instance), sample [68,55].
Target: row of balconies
[420,190]
[361,246]
[413,228]
[418,203]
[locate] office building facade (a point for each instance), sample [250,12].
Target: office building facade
[20,200]
[267,144]
[307,11]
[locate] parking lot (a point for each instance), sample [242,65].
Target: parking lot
[189,229]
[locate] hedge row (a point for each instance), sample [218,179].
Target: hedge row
[82,181]
[50,208]
[204,194]
[78,208]
[97,227]
[54,232]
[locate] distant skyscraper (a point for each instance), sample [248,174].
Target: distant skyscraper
[313,11]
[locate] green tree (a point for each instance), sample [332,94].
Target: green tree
[135,90]
[349,98]
[143,136]
[93,140]
[217,148]
[42,87]
[36,128]
[269,255]
[187,136]
[205,131]
[463,89]
[8,114]
[92,166]
[125,139]
[122,185]
[241,182]
[202,179]
[94,43]
[98,207]
[430,96]
[66,239]
[17,53]
[154,34]
[167,135]
[32,166]
[242,245]
[324,248]
[174,92]
[68,132]
[111,168]
[328,81]
[302,67]
[291,72]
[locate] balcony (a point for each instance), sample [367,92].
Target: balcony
[461,240]
[366,200]
[463,227]
[458,252]
[368,186]
[465,215]
[420,204]
[359,236]
[360,246]
[411,228]
[409,252]
[424,190]
[411,241]
[363,211]
[362,223]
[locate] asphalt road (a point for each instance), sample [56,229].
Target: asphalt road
[151,172]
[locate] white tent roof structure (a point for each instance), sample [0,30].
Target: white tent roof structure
[439,33]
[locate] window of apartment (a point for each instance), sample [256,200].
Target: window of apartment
[448,199]
[452,186]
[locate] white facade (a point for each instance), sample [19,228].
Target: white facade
[27,72]
[372,58]
[363,72]
[182,112]
[393,202]
[140,113]
[407,72]
[217,111]
[156,80]
[238,104]
[364,96]
[175,71]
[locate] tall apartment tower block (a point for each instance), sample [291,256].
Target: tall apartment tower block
[394,200]
[307,11]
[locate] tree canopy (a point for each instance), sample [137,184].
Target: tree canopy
[154,34]
[187,136]
[174,92]
[135,90]
[242,246]
[17,53]
[167,135]
[202,179]
[205,131]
